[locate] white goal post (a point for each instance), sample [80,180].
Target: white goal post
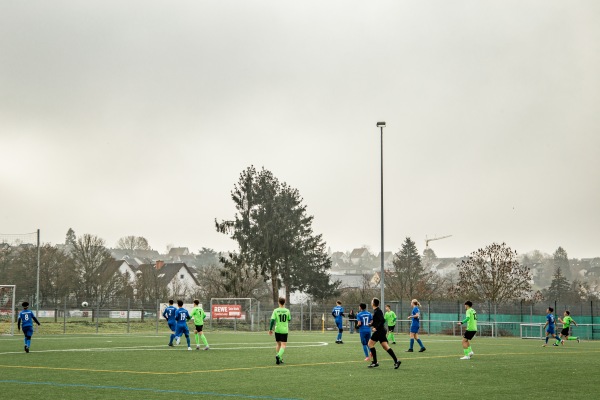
[7,309]
[532,331]
[237,309]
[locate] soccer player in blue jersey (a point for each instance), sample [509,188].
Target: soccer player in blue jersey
[550,327]
[415,317]
[338,313]
[182,316]
[364,319]
[26,320]
[169,315]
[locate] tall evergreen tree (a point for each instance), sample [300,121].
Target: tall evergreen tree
[70,237]
[559,287]
[410,278]
[274,234]
[561,260]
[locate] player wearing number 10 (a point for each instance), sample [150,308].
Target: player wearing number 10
[471,321]
[279,323]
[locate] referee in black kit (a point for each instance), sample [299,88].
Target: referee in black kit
[379,335]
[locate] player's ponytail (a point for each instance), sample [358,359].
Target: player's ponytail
[416,302]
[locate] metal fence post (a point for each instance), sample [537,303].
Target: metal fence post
[65,317]
[157,314]
[310,316]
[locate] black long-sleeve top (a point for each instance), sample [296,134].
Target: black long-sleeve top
[378,320]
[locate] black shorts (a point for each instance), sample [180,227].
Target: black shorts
[469,334]
[379,336]
[391,328]
[199,328]
[565,332]
[281,337]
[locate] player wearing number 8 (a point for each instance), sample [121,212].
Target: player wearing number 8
[279,324]
[26,319]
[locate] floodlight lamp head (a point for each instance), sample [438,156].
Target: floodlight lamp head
[381,124]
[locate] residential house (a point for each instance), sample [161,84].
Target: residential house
[360,256]
[178,278]
[388,259]
[175,252]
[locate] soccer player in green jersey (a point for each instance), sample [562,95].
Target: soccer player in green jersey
[199,316]
[471,321]
[564,334]
[390,320]
[279,323]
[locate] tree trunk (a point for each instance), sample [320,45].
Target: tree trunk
[275,288]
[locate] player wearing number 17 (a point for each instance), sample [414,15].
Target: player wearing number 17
[279,324]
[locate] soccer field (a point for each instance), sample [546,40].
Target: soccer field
[242,366]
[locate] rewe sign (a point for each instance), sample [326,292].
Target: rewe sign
[226,311]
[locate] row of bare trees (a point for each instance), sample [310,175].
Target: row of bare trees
[81,271]
[493,274]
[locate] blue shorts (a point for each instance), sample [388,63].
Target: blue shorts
[364,337]
[182,330]
[28,331]
[339,323]
[172,325]
[414,328]
[550,330]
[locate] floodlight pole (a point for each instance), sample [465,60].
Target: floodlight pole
[381,125]
[37,290]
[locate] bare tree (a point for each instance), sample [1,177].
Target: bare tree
[56,275]
[90,258]
[148,286]
[494,274]
[133,243]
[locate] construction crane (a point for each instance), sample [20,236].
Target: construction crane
[435,238]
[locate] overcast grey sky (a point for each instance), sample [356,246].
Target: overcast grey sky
[136,118]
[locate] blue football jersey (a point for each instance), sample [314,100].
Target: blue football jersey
[365,318]
[169,313]
[337,312]
[26,317]
[181,316]
[415,311]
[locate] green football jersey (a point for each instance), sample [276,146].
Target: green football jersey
[390,318]
[471,320]
[199,316]
[567,321]
[279,319]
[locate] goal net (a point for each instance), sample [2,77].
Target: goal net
[233,313]
[20,261]
[7,309]
[532,331]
